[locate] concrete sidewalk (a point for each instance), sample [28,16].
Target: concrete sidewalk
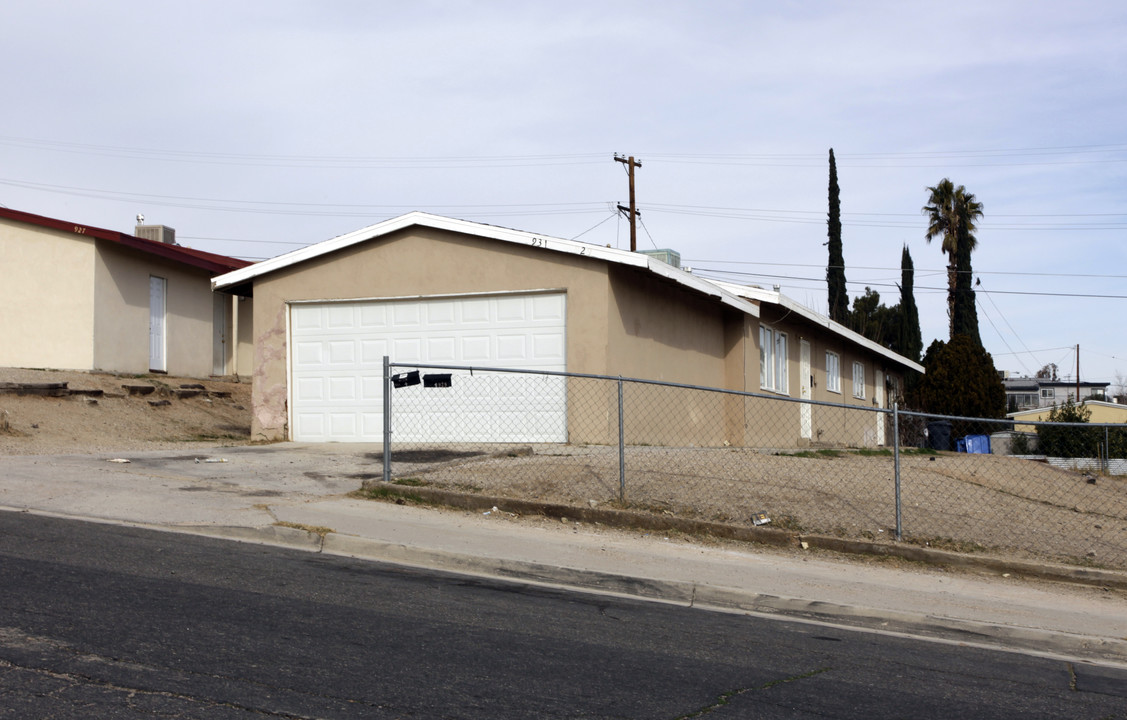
[244,493]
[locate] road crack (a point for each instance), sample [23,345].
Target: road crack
[727,697]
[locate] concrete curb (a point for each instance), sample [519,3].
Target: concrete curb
[767,536]
[1001,637]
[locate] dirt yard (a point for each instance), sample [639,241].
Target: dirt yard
[116,419]
[954,501]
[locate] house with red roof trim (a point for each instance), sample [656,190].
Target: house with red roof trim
[79,297]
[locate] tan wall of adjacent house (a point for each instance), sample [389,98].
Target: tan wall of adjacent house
[46,298]
[121,297]
[419,262]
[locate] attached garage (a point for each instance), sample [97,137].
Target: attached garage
[336,366]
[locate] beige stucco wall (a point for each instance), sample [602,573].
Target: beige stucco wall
[419,262]
[778,423]
[46,298]
[659,330]
[121,297]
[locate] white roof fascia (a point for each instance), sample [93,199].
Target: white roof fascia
[777,298]
[519,237]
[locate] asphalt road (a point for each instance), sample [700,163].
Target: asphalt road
[115,622]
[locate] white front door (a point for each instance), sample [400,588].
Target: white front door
[220,305]
[158,288]
[805,383]
[878,399]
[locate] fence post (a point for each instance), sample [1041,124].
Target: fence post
[896,466]
[1107,452]
[621,448]
[386,419]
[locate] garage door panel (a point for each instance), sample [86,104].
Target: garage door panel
[511,348]
[308,389]
[341,316]
[547,347]
[342,352]
[511,310]
[475,349]
[372,351]
[474,312]
[407,350]
[343,424]
[373,316]
[547,308]
[442,350]
[338,351]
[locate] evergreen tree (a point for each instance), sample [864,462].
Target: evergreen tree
[835,271]
[909,341]
[877,322]
[964,320]
[959,379]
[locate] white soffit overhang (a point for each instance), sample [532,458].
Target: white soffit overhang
[611,255]
[777,298]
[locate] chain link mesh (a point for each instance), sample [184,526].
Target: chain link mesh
[964,484]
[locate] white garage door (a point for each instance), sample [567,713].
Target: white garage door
[337,369]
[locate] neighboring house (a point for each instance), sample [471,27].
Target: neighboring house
[1030,393]
[1102,412]
[427,289]
[84,298]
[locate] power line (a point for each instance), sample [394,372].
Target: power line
[917,287]
[1083,154]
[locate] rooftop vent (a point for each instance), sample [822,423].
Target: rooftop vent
[667,256]
[158,233]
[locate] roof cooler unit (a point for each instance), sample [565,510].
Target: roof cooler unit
[667,256]
[158,233]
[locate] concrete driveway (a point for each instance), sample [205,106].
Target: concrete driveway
[224,486]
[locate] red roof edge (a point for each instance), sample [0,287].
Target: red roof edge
[212,262]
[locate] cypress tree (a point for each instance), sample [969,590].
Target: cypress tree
[835,271]
[964,320]
[910,341]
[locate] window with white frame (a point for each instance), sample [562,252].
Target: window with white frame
[772,359]
[1048,393]
[859,380]
[833,372]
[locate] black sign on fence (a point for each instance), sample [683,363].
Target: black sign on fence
[405,379]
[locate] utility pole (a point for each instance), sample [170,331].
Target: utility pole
[630,164]
[1077,373]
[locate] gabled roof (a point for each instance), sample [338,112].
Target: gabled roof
[240,278]
[774,297]
[211,262]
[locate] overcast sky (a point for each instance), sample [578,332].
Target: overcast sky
[255,128]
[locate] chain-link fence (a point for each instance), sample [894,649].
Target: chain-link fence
[1056,491]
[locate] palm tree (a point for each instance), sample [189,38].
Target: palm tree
[952,213]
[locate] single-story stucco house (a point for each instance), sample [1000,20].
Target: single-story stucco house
[422,288]
[78,297]
[1100,412]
